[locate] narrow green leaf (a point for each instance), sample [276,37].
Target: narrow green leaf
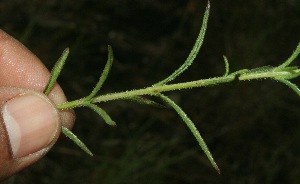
[103,114]
[193,53]
[75,139]
[262,69]
[104,73]
[291,85]
[293,72]
[56,71]
[226,66]
[144,101]
[290,59]
[193,129]
[289,68]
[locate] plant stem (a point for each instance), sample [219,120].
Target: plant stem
[269,74]
[147,91]
[158,89]
[186,85]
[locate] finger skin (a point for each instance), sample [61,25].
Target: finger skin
[20,71]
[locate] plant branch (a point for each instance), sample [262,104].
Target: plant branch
[186,85]
[282,73]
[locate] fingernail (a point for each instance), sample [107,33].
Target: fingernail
[31,122]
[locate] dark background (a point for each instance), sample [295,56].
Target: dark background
[252,128]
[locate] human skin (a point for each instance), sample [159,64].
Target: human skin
[23,78]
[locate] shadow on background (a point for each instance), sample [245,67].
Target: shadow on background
[251,128]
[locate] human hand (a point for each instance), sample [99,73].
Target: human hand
[30,123]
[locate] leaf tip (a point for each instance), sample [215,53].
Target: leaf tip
[111,123]
[67,50]
[89,152]
[226,65]
[217,168]
[110,53]
[109,48]
[208,5]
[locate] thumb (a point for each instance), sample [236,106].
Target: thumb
[29,126]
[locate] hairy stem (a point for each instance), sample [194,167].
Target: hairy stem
[186,85]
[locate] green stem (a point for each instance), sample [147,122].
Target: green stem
[147,91]
[186,85]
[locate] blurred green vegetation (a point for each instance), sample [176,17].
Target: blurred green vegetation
[251,128]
